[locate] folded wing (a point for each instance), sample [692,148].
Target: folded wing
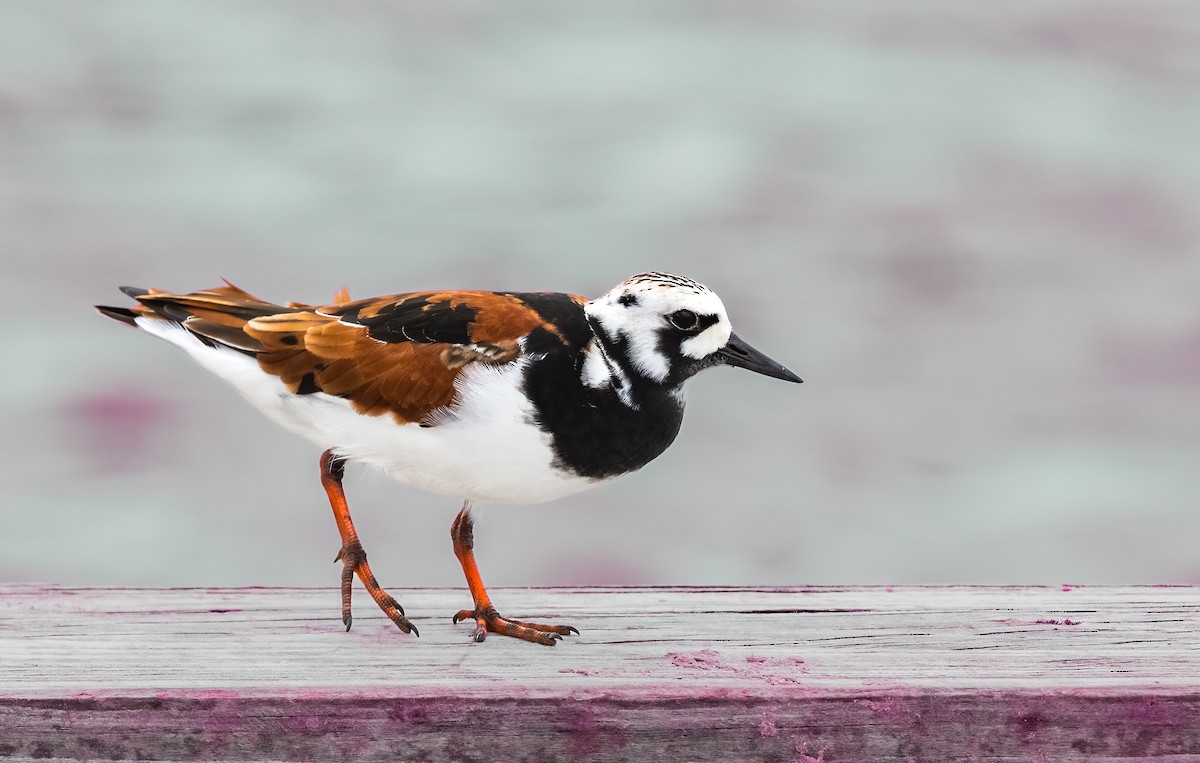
[397,355]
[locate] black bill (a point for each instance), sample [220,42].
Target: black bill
[738,353]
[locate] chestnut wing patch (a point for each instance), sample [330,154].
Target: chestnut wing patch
[310,353]
[398,355]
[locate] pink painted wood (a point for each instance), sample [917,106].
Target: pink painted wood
[659,674]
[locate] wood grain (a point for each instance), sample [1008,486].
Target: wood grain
[775,674]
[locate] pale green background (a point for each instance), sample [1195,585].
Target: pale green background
[973,228]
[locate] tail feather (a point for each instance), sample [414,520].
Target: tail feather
[122,314]
[230,336]
[163,308]
[214,316]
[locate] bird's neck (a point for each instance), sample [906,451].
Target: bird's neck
[609,365]
[602,418]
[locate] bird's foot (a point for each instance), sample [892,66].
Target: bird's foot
[487,619]
[354,560]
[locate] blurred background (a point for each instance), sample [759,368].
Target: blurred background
[973,229]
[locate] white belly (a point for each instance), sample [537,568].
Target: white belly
[486,449]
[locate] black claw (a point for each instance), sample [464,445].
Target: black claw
[347,619]
[415,632]
[572,628]
[389,601]
[479,636]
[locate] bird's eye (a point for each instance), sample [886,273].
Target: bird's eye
[684,320]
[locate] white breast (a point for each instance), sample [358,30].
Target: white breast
[485,448]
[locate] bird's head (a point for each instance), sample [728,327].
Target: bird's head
[664,328]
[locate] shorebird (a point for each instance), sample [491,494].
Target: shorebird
[500,397]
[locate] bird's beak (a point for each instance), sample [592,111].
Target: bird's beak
[738,353]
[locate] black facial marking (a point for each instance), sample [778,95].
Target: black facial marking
[628,300]
[291,339]
[704,322]
[681,367]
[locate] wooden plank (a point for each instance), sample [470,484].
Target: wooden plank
[776,674]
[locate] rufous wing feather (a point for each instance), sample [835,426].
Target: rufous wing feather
[399,354]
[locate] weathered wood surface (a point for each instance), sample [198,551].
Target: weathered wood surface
[774,674]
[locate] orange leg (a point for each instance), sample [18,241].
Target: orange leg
[352,556]
[462,532]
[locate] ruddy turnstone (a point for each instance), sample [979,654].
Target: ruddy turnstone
[502,397]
